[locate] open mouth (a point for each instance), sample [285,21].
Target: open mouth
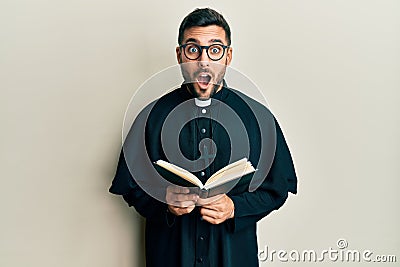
[203,80]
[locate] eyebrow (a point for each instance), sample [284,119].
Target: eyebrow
[210,41]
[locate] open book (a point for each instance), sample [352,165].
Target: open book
[219,183]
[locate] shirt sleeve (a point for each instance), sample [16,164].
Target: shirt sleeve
[124,184]
[250,207]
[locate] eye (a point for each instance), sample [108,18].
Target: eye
[215,50]
[193,49]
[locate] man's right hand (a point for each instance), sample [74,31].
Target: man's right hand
[179,200]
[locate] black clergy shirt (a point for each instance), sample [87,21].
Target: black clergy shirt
[187,240]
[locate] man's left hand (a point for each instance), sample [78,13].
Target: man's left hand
[219,210]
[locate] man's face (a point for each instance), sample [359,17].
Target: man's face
[204,75]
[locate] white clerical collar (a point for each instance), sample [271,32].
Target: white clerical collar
[202,103]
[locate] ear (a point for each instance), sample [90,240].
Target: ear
[178,54]
[229,56]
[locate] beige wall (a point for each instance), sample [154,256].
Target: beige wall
[330,71]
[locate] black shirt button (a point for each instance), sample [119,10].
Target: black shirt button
[200,260]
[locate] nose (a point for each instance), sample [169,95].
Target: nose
[204,61]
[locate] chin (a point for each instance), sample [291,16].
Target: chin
[202,96]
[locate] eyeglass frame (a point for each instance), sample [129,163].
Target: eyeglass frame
[202,47]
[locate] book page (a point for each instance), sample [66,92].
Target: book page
[242,161]
[184,174]
[228,174]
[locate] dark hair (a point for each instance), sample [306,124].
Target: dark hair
[204,17]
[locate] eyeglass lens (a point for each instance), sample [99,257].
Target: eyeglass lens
[214,52]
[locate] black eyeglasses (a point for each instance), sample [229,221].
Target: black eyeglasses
[214,52]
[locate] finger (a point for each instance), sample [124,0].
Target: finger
[210,213]
[178,189]
[181,208]
[212,220]
[184,197]
[183,204]
[211,208]
[180,211]
[210,200]
[215,206]
[172,197]
[221,204]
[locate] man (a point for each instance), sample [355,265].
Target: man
[182,229]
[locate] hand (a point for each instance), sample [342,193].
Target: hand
[219,210]
[179,200]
